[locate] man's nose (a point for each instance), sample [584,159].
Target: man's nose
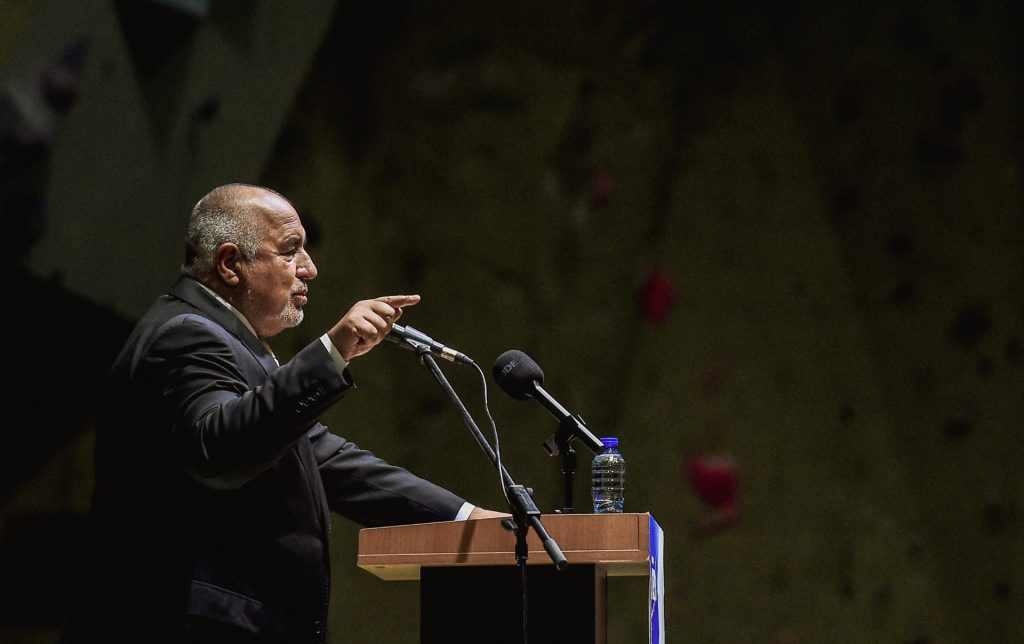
[307,269]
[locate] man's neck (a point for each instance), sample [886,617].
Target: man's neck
[241,316]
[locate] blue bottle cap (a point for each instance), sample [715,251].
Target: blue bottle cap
[609,441]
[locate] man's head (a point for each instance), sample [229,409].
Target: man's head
[247,244]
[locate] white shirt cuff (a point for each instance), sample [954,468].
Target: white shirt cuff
[339,361]
[464,512]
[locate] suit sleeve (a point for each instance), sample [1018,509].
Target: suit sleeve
[223,431]
[371,492]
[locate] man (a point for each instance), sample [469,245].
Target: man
[214,478]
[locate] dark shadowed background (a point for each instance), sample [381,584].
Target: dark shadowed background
[776,248]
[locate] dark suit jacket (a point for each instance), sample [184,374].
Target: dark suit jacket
[214,480]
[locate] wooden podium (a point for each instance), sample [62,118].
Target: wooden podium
[470,588]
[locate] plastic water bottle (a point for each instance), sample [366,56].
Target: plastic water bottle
[608,478]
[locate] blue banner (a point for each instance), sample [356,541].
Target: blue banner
[656,631]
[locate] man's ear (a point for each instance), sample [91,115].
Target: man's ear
[229,264]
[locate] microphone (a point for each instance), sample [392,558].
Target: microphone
[520,377]
[409,338]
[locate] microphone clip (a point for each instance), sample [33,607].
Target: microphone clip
[422,350]
[571,427]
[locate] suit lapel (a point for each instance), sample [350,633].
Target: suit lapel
[188,290]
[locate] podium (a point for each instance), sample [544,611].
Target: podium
[470,587]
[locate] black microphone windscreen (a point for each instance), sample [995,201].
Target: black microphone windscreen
[516,373]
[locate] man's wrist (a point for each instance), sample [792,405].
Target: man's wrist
[464,512]
[339,360]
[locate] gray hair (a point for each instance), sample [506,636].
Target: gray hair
[224,215]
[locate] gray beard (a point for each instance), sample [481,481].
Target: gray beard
[291,316]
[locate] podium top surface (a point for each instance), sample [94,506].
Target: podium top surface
[617,543]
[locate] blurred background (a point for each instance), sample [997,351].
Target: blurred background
[774,247]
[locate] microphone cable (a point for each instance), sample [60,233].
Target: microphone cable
[494,430]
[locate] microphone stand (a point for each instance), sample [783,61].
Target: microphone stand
[524,510]
[558,444]
[564,449]
[522,506]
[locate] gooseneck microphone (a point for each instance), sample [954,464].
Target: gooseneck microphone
[521,377]
[409,338]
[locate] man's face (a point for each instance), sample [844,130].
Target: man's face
[275,280]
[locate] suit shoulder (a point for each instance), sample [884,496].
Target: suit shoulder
[191,328]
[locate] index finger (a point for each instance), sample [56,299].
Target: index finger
[398,301]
